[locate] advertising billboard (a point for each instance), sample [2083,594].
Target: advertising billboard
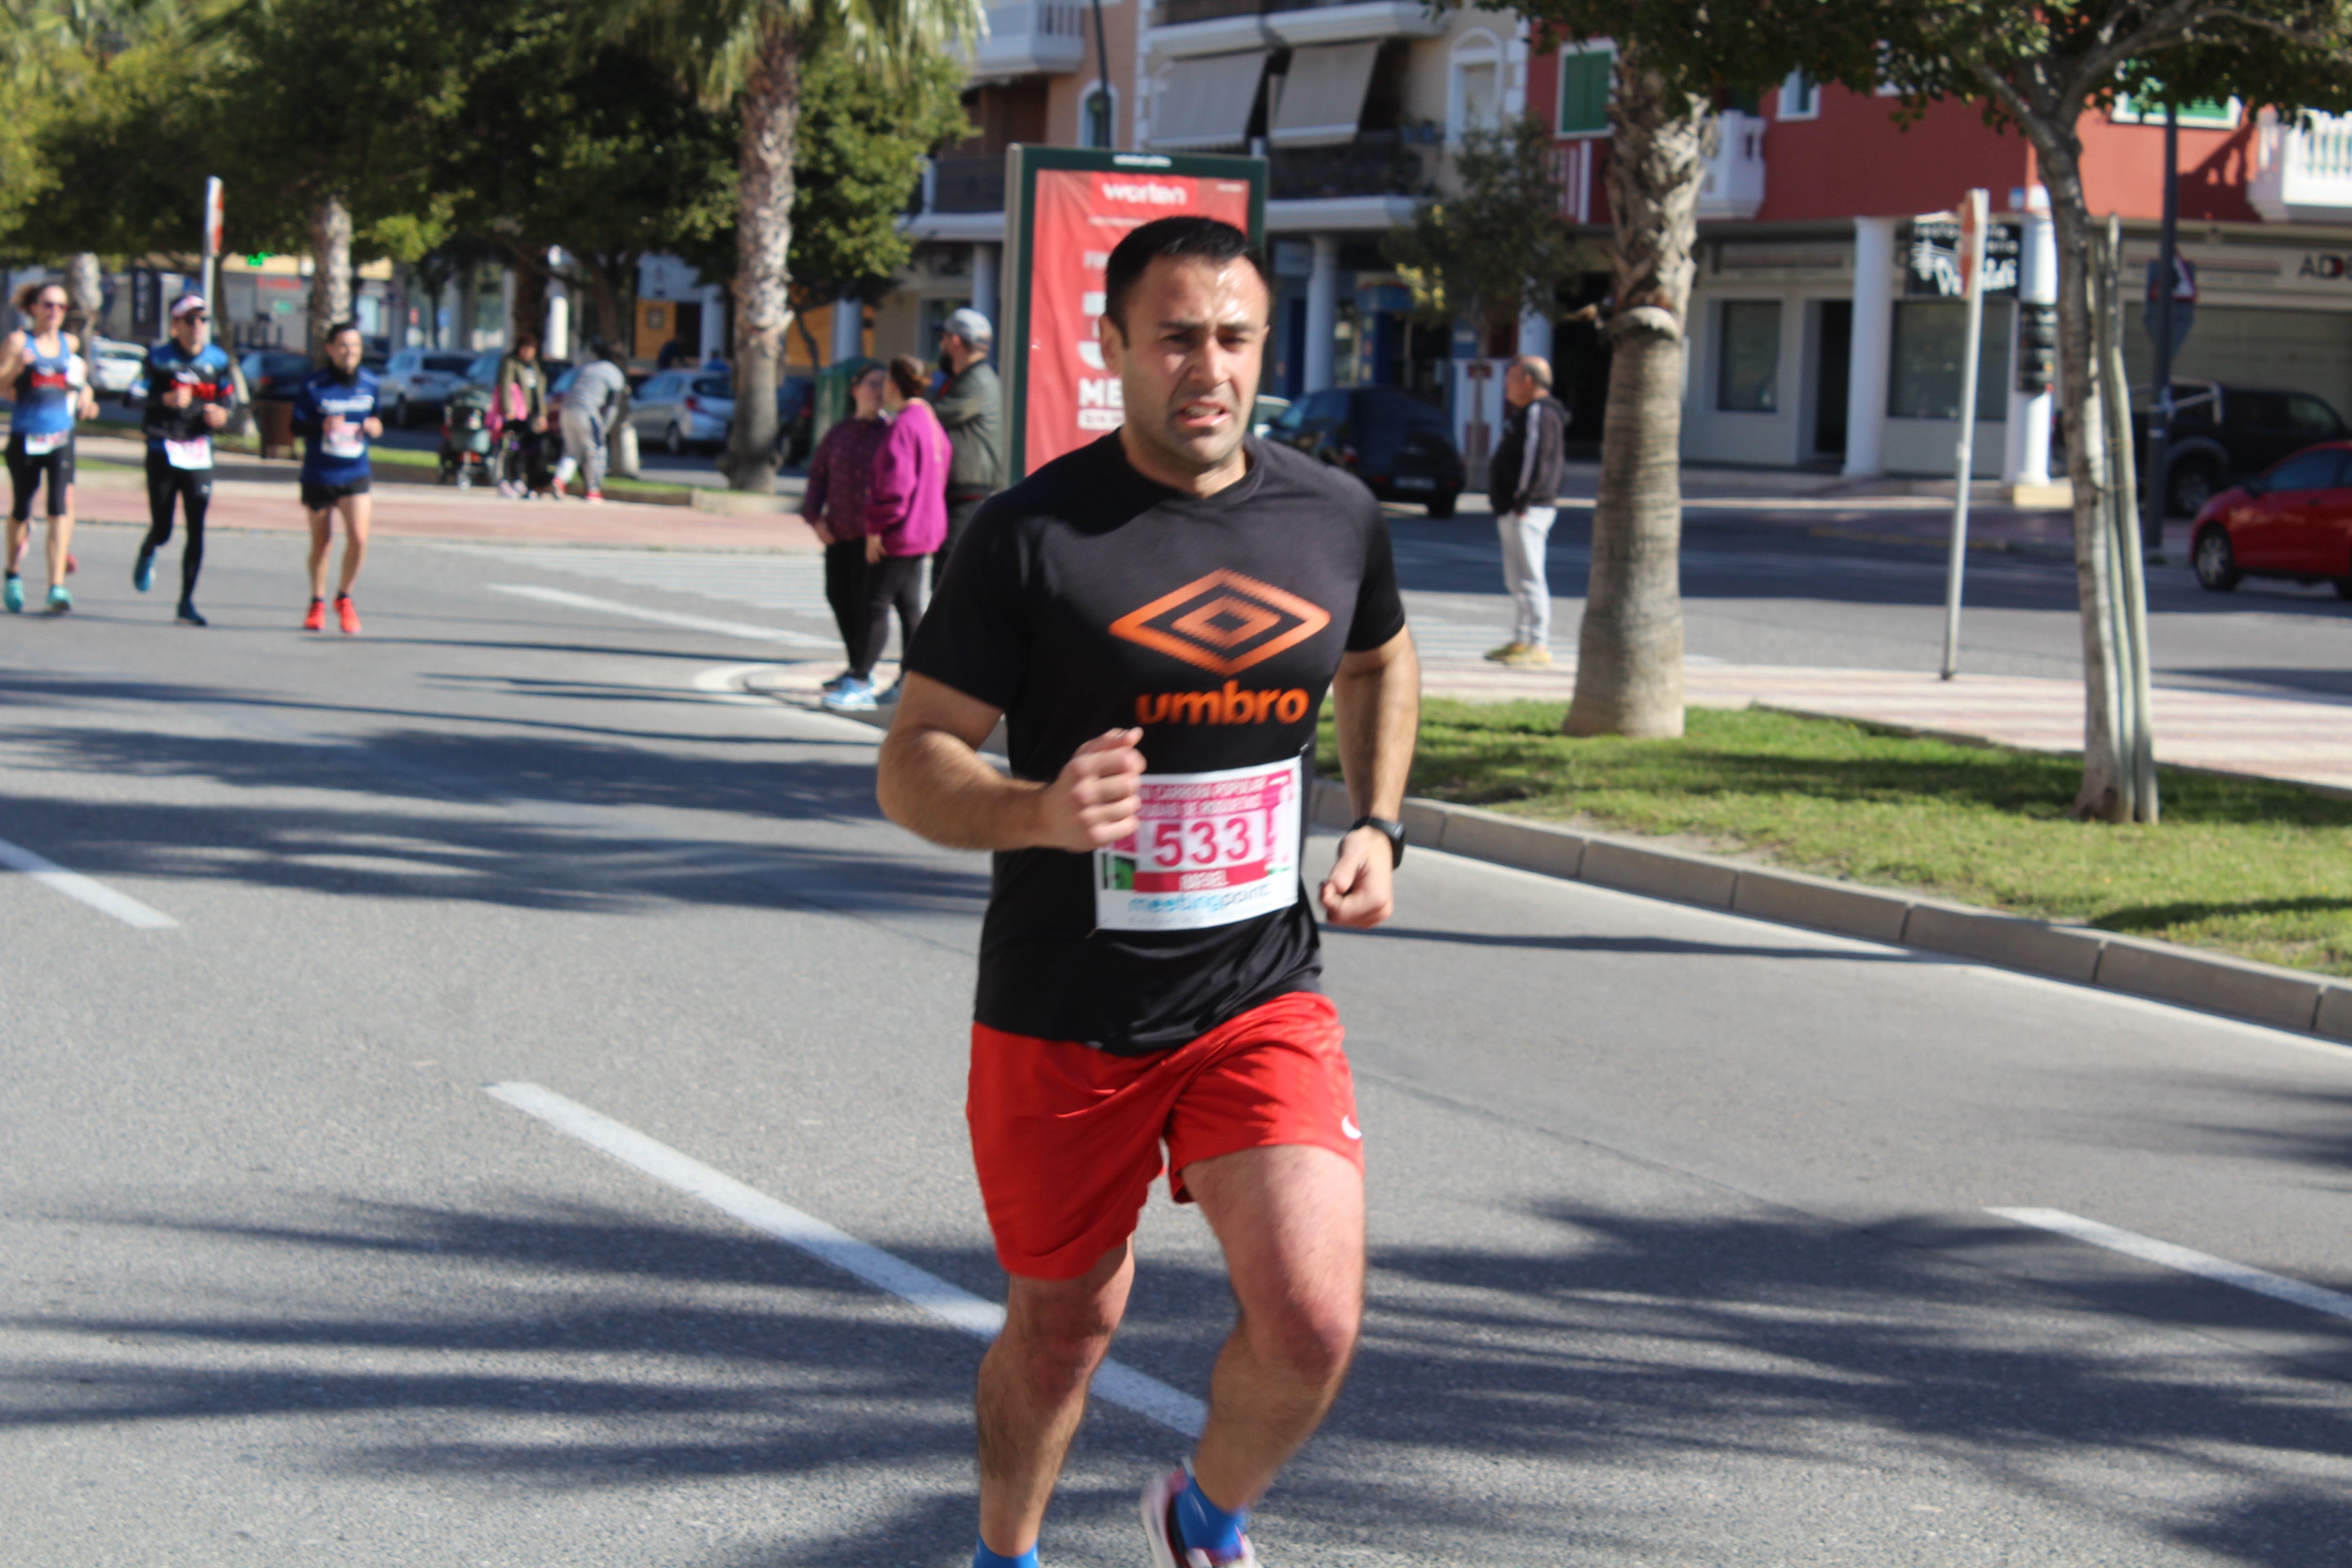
[1065,210]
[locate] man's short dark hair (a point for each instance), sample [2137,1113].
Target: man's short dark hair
[1173,239]
[340,328]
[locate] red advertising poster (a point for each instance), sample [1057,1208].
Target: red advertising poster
[1079,214]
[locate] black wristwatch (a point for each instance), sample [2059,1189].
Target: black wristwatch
[1390,828]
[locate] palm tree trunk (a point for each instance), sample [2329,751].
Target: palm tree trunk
[1628,668]
[86,288]
[2105,796]
[330,269]
[530,265]
[763,235]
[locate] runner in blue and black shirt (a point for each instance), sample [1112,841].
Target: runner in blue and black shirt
[50,381]
[335,414]
[189,395]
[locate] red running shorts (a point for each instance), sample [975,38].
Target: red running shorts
[1069,1139]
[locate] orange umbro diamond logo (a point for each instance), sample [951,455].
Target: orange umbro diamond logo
[1224,621]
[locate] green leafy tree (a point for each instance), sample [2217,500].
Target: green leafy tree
[2042,68]
[1499,245]
[325,116]
[753,54]
[592,147]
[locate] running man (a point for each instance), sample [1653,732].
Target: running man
[335,415]
[189,395]
[51,386]
[1159,616]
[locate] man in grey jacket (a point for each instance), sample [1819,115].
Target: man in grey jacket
[971,407]
[1523,483]
[597,400]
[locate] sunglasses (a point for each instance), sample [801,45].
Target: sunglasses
[49,304]
[192,316]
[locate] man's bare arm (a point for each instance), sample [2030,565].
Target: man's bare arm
[933,781]
[1376,706]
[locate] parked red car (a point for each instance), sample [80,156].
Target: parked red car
[2294,521]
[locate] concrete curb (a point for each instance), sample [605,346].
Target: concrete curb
[2211,982]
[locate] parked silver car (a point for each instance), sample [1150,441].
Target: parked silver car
[415,381]
[115,367]
[684,410]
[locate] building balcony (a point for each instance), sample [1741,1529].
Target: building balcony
[1031,38]
[1215,26]
[1376,163]
[1733,183]
[2303,176]
[965,184]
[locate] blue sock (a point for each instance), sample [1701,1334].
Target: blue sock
[1205,1526]
[981,1557]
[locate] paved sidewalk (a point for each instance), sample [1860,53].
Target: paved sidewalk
[2270,737]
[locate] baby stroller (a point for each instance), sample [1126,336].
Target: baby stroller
[466,441]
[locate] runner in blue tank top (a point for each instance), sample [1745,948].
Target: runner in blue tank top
[335,414]
[45,373]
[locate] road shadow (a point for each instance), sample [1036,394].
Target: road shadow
[1626,1348]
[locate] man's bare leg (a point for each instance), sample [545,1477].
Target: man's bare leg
[1032,1389]
[1291,1221]
[357,511]
[322,536]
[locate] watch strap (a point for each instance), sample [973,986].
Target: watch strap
[1390,828]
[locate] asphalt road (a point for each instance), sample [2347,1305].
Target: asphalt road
[1682,1244]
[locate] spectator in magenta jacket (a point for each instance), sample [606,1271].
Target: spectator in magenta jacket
[906,520]
[840,476]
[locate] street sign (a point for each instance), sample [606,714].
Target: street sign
[1066,209]
[2184,300]
[211,218]
[1933,266]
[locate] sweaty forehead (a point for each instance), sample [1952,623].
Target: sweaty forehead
[1189,288]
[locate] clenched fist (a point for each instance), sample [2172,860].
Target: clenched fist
[1093,802]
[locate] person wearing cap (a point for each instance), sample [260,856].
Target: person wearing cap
[190,393]
[972,406]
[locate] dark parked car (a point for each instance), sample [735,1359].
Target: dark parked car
[2222,434]
[2294,522]
[274,375]
[1398,445]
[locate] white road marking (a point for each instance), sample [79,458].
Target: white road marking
[2147,1249]
[958,1308]
[74,885]
[743,629]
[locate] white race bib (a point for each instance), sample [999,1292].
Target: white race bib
[43,445]
[1210,849]
[350,441]
[196,453]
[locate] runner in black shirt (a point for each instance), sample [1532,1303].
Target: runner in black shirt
[1158,617]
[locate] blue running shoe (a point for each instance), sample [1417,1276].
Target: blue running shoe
[853,696]
[188,614]
[838,682]
[142,576]
[59,600]
[13,595]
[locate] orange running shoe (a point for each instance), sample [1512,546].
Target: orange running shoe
[315,621]
[350,616]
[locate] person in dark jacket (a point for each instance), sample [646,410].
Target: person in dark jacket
[971,406]
[1523,483]
[190,393]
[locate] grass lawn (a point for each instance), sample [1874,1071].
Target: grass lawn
[2253,867]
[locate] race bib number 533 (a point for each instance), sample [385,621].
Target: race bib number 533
[1210,849]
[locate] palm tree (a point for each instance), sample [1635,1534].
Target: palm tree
[750,53]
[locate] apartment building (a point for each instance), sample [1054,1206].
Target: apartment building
[1815,342]
[1353,105]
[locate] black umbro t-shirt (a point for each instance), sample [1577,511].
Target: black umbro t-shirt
[1089,598]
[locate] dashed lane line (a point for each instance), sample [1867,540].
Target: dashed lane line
[951,1304]
[84,889]
[2147,1249]
[743,629]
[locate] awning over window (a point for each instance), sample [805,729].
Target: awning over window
[1206,103]
[1323,96]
